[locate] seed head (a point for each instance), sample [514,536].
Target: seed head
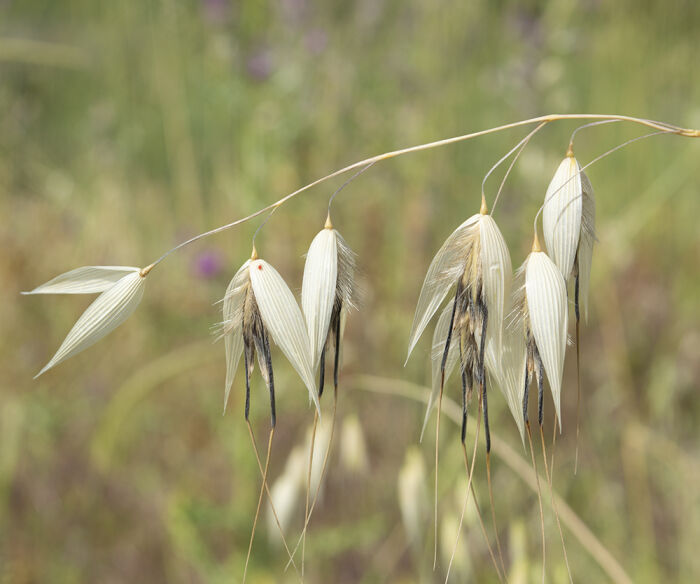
[327,288]
[475,260]
[540,320]
[258,305]
[475,254]
[121,289]
[327,295]
[413,493]
[568,222]
[353,446]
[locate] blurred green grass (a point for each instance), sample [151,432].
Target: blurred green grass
[128,126]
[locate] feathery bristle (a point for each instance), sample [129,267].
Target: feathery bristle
[447,265]
[345,284]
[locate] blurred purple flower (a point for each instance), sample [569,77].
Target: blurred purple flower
[215,10]
[259,65]
[294,11]
[316,41]
[207,264]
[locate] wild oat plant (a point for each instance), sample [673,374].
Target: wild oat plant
[501,329]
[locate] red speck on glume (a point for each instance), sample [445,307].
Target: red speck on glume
[259,266]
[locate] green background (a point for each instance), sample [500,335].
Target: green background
[126,127]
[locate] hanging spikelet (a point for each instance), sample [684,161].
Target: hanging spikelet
[541,320]
[474,260]
[121,289]
[259,305]
[568,224]
[327,295]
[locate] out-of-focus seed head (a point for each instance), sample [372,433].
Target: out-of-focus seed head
[353,446]
[413,496]
[286,493]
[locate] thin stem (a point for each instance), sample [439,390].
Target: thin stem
[260,498]
[481,523]
[470,472]
[326,456]
[578,365]
[599,552]
[661,126]
[346,183]
[554,505]
[521,146]
[320,482]
[539,500]
[437,462]
[272,503]
[308,491]
[493,510]
[589,125]
[596,159]
[263,224]
[554,445]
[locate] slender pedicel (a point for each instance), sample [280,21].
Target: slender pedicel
[554,504]
[308,491]
[539,498]
[481,524]
[661,127]
[578,371]
[263,487]
[272,504]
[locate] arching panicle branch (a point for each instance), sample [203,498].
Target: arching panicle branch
[659,126]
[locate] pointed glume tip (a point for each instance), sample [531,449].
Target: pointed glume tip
[570,150]
[254,253]
[329,223]
[145,271]
[484,208]
[536,243]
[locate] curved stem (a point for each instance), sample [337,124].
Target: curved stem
[260,499]
[597,550]
[596,159]
[308,491]
[320,482]
[520,146]
[660,126]
[272,503]
[584,126]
